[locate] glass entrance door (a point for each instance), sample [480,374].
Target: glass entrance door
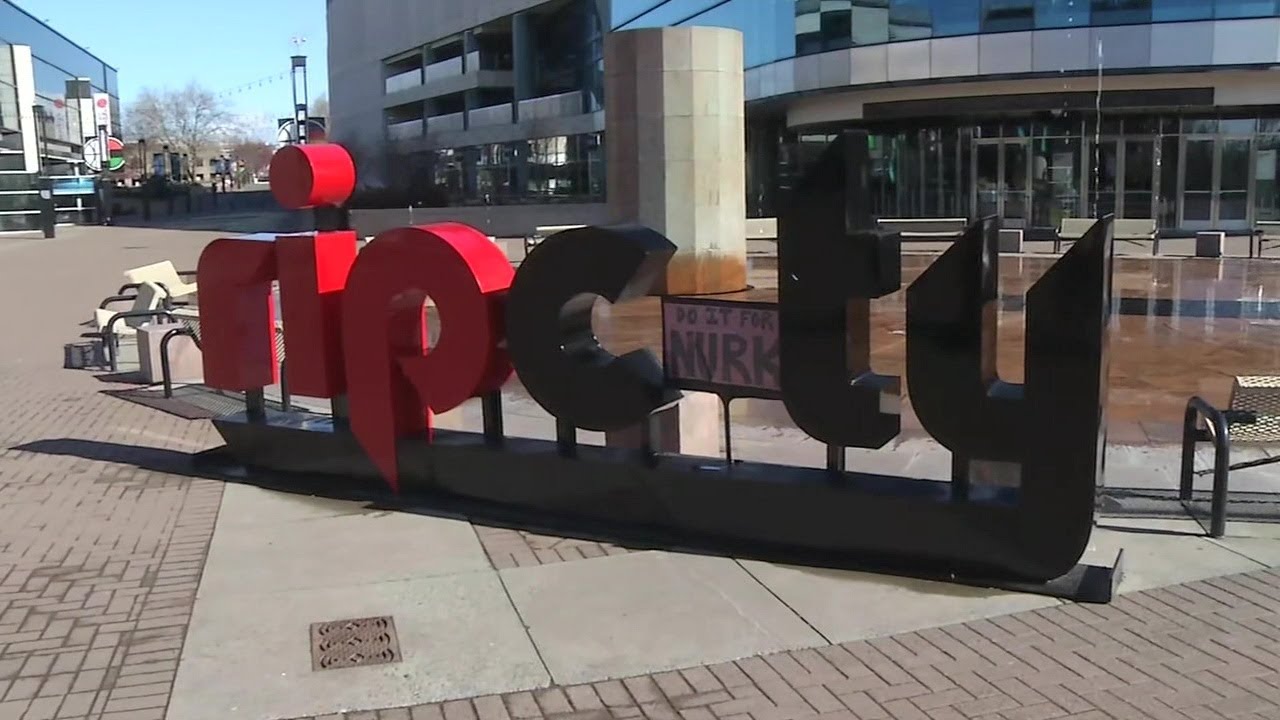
[1139,178]
[1197,183]
[1215,183]
[1233,183]
[987,178]
[1017,187]
[1002,180]
[1105,183]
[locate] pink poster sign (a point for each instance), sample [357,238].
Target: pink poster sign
[721,346]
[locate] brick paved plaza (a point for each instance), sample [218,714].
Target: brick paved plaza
[134,589]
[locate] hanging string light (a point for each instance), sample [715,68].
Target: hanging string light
[253,85]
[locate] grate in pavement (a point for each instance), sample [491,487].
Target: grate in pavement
[354,643]
[191,402]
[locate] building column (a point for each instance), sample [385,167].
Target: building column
[25,79]
[676,150]
[523,57]
[83,103]
[469,45]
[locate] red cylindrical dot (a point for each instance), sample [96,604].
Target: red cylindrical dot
[304,176]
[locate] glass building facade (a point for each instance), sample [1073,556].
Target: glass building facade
[560,168]
[1032,166]
[1045,147]
[1188,173]
[778,29]
[50,140]
[55,60]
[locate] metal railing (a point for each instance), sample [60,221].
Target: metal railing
[1215,431]
[490,116]
[452,121]
[550,106]
[404,130]
[403,81]
[443,69]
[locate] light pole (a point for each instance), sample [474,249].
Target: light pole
[142,158]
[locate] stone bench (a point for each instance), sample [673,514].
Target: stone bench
[1126,229]
[1264,231]
[925,229]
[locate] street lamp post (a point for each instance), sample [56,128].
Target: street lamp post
[142,158]
[48,213]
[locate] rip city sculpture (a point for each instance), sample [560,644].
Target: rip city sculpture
[359,323]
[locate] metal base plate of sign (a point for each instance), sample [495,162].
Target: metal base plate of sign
[771,512]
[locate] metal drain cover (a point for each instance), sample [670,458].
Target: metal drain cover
[354,643]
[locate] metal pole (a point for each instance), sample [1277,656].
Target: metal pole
[296,135]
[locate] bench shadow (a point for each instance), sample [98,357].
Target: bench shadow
[156,459]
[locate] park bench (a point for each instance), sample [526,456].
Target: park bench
[945,229]
[765,228]
[925,229]
[163,274]
[148,301]
[1252,415]
[1264,231]
[541,233]
[188,318]
[1123,230]
[761,229]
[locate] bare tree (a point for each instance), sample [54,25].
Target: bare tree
[252,156]
[320,106]
[188,119]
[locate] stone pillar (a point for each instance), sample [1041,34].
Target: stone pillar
[694,426]
[674,124]
[24,75]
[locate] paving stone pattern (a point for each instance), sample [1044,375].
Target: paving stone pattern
[103,539]
[1203,650]
[101,543]
[508,548]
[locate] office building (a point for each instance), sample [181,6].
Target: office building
[1034,110]
[48,86]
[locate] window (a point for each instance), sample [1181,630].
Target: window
[1173,10]
[910,19]
[766,26]
[496,171]
[835,24]
[9,110]
[626,11]
[1062,13]
[568,168]
[808,27]
[1005,15]
[870,22]
[1121,12]
[669,13]
[1267,200]
[553,167]
[447,174]
[1244,8]
[17,26]
[6,65]
[956,17]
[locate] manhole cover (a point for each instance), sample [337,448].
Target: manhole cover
[354,643]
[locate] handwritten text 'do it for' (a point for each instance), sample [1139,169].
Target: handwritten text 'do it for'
[734,345]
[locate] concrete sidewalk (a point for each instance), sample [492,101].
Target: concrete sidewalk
[133,590]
